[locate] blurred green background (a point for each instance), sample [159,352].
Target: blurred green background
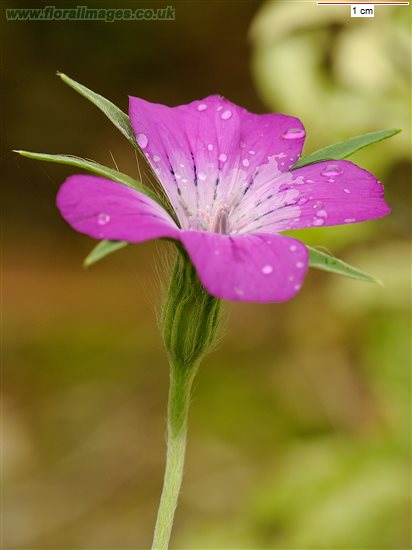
[300,422]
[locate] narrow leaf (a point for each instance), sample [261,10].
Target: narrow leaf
[344,149]
[103,249]
[321,260]
[113,113]
[94,167]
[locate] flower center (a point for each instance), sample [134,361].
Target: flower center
[216,222]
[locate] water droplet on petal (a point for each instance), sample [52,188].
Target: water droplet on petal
[156,158]
[349,220]
[293,248]
[210,147]
[332,170]
[202,107]
[267,269]
[297,287]
[291,277]
[251,152]
[142,140]
[222,157]
[302,201]
[346,190]
[319,221]
[181,165]
[322,214]
[226,115]
[310,181]
[245,162]
[331,180]
[219,108]
[184,180]
[294,133]
[103,218]
[318,204]
[299,265]
[202,176]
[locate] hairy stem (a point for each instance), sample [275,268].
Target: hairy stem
[181,379]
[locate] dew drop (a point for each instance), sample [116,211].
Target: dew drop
[346,190]
[219,108]
[202,107]
[226,115]
[322,214]
[317,204]
[222,157]
[184,180]
[299,265]
[291,277]
[202,176]
[297,287]
[331,180]
[293,248]
[294,133]
[349,220]
[319,221]
[245,162]
[142,140]
[310,181]
[156,158]
[210,147]
[103,218]
[181,165]
[302,201]
[332,170]
[251,152]
[267,269]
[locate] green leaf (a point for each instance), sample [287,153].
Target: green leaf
[94,167]
[321,260]
[113,113]
[103,249]
[344,149]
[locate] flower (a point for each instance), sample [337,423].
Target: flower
[227,174]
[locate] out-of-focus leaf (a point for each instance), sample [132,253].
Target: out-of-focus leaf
[321,260]
[113,113]
[103,249]
[94,167]
[344,149]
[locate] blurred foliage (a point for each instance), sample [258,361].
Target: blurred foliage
[300,426]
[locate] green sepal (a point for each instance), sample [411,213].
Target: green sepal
[113,113]
[344,149]
[103,249]
[189,317]
[326,262]
[95,168]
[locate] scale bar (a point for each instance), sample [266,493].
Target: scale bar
[366,3]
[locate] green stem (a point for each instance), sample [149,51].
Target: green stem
[181,379]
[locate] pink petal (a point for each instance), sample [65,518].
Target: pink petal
[250,268]
[104,209]
[325,193]
[336,192]
[208,152]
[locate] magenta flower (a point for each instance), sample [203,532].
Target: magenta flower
[227,174]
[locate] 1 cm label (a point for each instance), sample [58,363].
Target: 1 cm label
[359,10]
